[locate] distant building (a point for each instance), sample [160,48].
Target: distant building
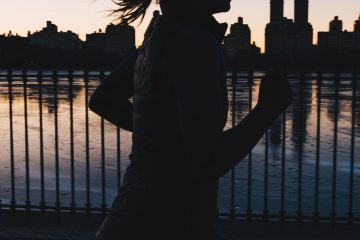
[11,41]
[13,50]
[2,44]
[255,49]
[357,25]
[117,39]
[285,36]
[338,39]
[336,25]
[239,38]
[50,37]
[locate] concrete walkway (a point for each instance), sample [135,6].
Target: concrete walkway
[20,226]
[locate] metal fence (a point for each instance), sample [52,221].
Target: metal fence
[237,81]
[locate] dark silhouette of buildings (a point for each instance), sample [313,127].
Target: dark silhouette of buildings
[238,49]
[239,40]
[117,39]
[301,11]
[288,44]
[357,25]
[49,48]
[338,40]
[12,49]
[50,37]
[336,25]
[285,36]
[276,10]
[2,43]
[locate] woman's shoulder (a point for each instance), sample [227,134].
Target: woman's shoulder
[194,34]
[191,38]
[184,34]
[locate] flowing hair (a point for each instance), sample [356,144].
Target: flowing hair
[129,11]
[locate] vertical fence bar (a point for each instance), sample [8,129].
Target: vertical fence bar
[300,156]
[87,142]
[1,204]
[0,187]
[118,153]
[318,134]
[352,150]
[283,158]
[249,183]
[72,151]
[103,177]
[266,178]
[57,165]
[232,187]
[42,165]
[12,158]
[26,128]
[334,172]
[103,172]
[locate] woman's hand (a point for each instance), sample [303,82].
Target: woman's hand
[275,94]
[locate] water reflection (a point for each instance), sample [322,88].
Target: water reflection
[300,140]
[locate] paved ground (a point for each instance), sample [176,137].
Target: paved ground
[20,226]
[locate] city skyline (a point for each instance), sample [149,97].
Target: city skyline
[94,16]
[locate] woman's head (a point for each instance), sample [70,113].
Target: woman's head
[131,10]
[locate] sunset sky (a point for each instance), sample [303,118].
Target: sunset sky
[86,16]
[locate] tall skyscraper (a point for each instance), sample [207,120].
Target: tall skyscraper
[286,37]
[277,10]
[301,11]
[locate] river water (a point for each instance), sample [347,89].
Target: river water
[300,148]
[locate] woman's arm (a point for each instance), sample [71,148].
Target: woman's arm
[111,99]
[275,95]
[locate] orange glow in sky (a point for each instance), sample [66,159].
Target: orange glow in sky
[87,16]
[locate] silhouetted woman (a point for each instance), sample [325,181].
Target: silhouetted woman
[177,117]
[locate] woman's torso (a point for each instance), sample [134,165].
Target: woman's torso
[157,153]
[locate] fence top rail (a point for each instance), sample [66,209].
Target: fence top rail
[46,72]
[239,74]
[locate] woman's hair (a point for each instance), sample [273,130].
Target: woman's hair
[129,11]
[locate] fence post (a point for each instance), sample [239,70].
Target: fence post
[334,174]
[249,183]
[352,148]
[299,217]
[283,158]
[319,83]
[12,157]
[87,142]
[26,128]
[232,187]
[103,165]
[42,175]
[72,143]
[56,135]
